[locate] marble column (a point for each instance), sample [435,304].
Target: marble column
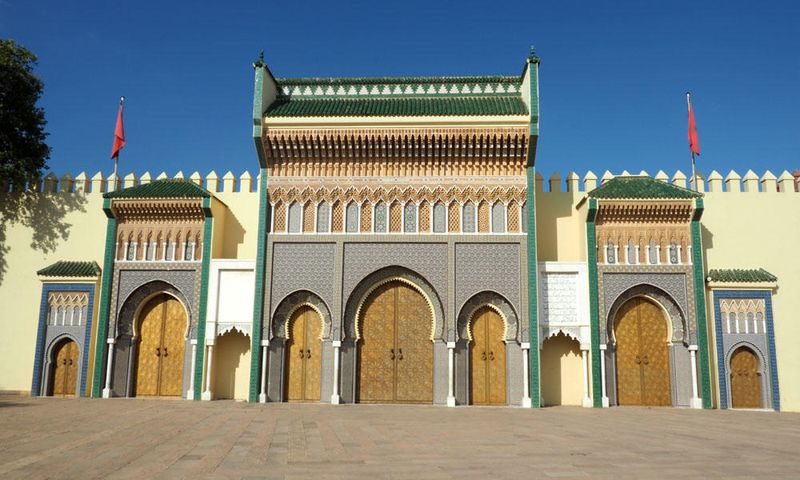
[696,401]
[451,377]
[190,392]
[107,389]
[587,401]
[335,398]
[262,397]
[210,355]
[526,380]
[603,374]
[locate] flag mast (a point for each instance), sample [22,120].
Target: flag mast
[119,142]
[691,114]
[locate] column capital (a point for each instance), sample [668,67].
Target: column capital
[451,345]
[336,343]
[193,341]
[603,346]
[525,345]
[111,341]
[265,343]
[692,348]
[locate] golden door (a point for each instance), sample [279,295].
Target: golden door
[159,368]
[487,359]
[303,356]
[643,374]
[395,354]
[65,373]
[745,381]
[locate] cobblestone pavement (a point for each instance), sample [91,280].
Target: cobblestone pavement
[127,438]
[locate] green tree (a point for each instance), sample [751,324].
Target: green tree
[23,151]
[23,159]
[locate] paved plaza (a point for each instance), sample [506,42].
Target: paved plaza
[131,438]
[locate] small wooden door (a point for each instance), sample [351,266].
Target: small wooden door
[745,380]
[643,374]
[65,373]
[303,351]
[159,368]
[396,353]
[487,359]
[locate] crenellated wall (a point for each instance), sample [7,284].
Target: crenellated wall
[750,221]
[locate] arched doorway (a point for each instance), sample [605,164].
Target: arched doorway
[487,358]
[231,366]
[562,371]
[395,355]
[303,355]
[65,368]
[745,379]
[159,366]
[642,358]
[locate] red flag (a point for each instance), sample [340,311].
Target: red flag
[694,140]
[119,134]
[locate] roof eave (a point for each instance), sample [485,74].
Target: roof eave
[453,120]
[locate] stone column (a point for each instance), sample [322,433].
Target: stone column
[107,389]
[262,397]
[451,377]
[210,355]
[526,381]
[190,392]
[603,374]
[696,401]
[587,401]
[335,398]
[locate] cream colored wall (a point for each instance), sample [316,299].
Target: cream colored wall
[231,375]
[761,230]
[562,371]
[560,229]
[241,225]
[81,218]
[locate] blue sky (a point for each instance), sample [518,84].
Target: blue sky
[613,74]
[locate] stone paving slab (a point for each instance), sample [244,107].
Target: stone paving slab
[133,438]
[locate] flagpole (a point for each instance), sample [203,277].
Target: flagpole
[116,159]
[694,177]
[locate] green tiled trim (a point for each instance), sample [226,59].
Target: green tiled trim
[168,188]
[258,306]
[396,107]
[626,188]
[533,296]
[258,111]
[700,307]
[737,275]
[594,308]
[201,320]
[325,81]
[65,268]
[105,299]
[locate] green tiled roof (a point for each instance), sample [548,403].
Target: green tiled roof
[737,275]
[64,268]
[623,188]
[171,188]
[396,107]
[506,79]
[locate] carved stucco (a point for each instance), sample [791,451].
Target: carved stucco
[289,305]
[496,301]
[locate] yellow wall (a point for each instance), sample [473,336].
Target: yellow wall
[761,230]
[562,371]
[82,221]
[231,375]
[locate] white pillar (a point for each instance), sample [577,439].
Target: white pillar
[335,398]
[697,402]
[603,374]
[190,393]
[526,380]
[451,377]
[107,389]
[207,391]
[587,401]
[262,397]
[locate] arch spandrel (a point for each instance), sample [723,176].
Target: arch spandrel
[672,312]
[136,300]
[496,302]
[288,305]
[381,277]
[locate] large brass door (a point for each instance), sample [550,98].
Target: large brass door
[303,356]
[159,368]
[487,359]
[745,381]
[642,358]
[65,373]
[396,353]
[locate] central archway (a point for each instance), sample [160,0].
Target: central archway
[643,372]
[159,365]
[395,355]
